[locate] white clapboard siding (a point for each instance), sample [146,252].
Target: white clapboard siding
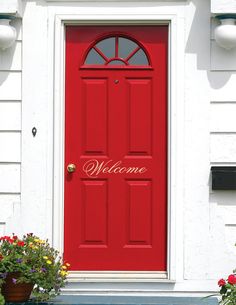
[222,86]
[7,205]
[10,127]
[10,147]
[10,217]
[2,228]
[223,6]
[10,115]
[10,59]
[230,233]
[223,117]
[10,85]
[10,178]
[223,147]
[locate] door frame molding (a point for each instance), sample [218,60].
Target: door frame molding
[61,21]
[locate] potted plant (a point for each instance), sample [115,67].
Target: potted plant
[30,264]
[228,290]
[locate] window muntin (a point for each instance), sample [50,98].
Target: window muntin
[116,51]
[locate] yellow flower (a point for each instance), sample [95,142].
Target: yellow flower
[42,242]
[49,262]
[63,273]
[67,264]
[36,240]
[63,267]
[45,257]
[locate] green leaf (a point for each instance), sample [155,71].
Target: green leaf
[223,290]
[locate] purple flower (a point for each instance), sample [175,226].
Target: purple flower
[3,275]
[32,270]
[43,269]
[19,260]
[14,281]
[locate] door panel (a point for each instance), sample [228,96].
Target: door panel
[116,134]
[95,109]
[139,99]
[139,213]
[94,213]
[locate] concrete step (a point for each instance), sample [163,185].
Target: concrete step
[122,300]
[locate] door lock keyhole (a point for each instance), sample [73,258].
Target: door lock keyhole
[34,131]
[116,81]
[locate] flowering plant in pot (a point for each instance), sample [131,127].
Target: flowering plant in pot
[228,290]
[31,261]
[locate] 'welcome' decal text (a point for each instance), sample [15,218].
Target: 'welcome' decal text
[94,167]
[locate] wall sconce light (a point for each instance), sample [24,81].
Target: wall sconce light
[7,32]
[225,33]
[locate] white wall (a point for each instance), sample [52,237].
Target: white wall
[223,6]
[210,222]
[10,129]
[13,7]
[222,130]
[203,133]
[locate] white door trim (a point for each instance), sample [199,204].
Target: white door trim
[59,110]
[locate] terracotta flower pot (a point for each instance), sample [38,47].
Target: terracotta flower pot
[19,292]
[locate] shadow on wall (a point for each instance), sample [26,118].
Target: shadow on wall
[199,43]
[218,79]
[6,58]
[224,198]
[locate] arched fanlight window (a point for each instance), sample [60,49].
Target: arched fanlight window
[117,51]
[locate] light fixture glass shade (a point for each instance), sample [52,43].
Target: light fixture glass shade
[7,33]
[225,33]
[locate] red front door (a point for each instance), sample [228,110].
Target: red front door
[116,136]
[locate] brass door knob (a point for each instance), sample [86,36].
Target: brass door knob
[71,168]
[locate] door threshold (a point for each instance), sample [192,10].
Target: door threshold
[118,276]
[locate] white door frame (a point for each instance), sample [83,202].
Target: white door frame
[59,122]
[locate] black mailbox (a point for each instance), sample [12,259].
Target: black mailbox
[223,177]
